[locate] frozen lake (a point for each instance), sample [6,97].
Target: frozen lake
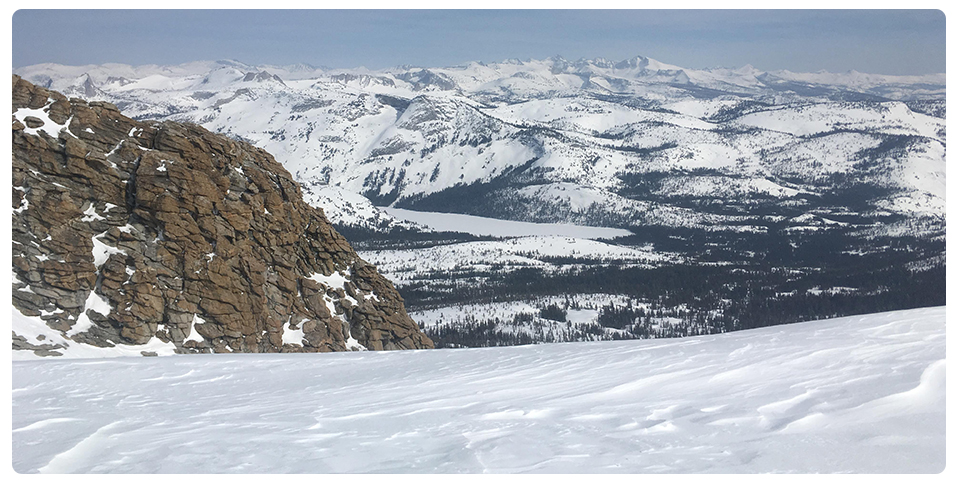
[483,226]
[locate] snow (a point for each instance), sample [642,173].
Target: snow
[863,394]
[585,114]
[115,149]
[576,316]
[97,304]
[330,302]
[32,327]
[504,310]
[806,119]
[335,280]
[25,203]
[354,345]
[343,207]
[194,334]
[484,226]
[36,331]
[49,126]
[293,336]
[330,130]
[857,79]
[90,215]
[534,251]
[832,290]
[102,252]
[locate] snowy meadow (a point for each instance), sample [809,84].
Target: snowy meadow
[862,394]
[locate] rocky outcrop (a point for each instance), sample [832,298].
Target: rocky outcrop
[126,231]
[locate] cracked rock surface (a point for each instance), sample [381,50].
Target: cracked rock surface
[126,232]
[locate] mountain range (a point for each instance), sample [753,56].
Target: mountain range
[742,194]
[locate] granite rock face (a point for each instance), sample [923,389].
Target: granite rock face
[126,231]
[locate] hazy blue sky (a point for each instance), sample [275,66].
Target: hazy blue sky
[892,42]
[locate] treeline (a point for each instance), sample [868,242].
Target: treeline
[702,287]
[614,323]
[471,332]
[658,318]
[699,299]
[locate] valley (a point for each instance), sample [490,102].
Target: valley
[705,200]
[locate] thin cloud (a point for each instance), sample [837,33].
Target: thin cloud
[879,41]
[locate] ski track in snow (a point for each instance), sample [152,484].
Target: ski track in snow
[856,394]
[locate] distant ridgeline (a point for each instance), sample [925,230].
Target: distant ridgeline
[753,197]
[168,237]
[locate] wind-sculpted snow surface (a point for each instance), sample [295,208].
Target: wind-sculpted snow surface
[858,394]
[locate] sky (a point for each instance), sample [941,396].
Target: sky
[892,42]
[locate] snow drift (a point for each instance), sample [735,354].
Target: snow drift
[862,394]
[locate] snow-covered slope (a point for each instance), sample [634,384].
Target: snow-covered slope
[402,135]
[864,394]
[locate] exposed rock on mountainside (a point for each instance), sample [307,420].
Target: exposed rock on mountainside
[127,231]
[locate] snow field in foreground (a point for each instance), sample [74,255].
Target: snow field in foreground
[857,394]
